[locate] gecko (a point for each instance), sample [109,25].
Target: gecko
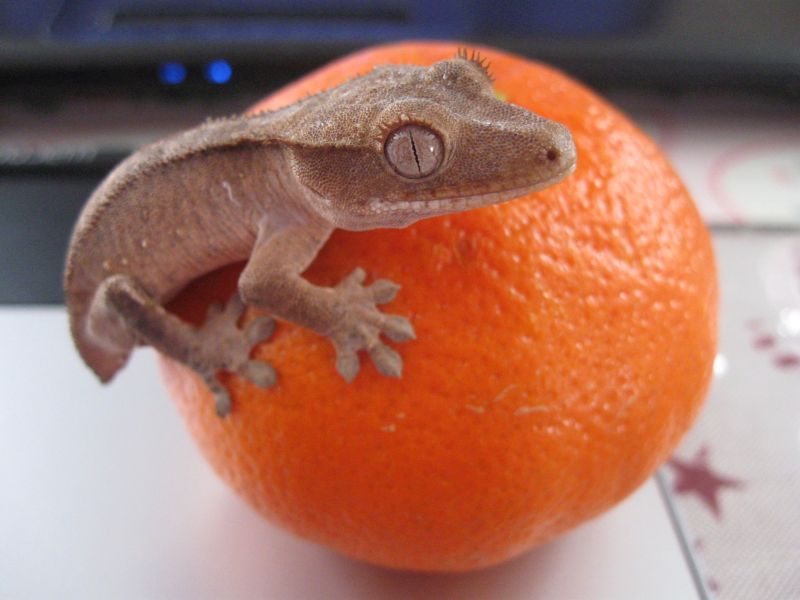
[382,150]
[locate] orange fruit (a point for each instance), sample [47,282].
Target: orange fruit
[565,344]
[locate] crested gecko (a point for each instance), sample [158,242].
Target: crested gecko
[386,149]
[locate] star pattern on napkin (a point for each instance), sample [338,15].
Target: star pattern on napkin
[696,476]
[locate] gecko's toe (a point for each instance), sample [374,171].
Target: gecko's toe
[260,373]
[398,329]
[347,364]
[355,278]
[222,400]
[234,307]
[387,361]
[260,330]
[383,291]
[222,403]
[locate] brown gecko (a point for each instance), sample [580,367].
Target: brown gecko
[386,149]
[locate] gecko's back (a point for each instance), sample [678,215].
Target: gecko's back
[169,213]
[176,210]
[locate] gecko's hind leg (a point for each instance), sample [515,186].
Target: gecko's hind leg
[217,345]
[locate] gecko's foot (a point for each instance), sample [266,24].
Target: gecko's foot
[224,346]
[361,324]
[222,399]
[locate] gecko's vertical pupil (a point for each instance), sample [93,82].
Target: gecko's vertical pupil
[414,151]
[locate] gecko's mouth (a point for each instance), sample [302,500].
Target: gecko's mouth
[428,206]
[462,203]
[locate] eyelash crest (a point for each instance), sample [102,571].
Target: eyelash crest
[386,128]
[475,58]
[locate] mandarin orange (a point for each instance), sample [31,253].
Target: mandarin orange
[565,344]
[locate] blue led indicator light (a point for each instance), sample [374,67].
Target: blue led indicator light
[172,73]
[219,71]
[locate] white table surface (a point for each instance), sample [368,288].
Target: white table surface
[102,495]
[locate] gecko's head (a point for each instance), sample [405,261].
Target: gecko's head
[404,143]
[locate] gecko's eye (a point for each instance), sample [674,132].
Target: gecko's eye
[414,151]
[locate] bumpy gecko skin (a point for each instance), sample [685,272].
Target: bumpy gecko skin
[397,145]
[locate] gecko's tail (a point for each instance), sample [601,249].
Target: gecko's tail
[103,363]
[103,360]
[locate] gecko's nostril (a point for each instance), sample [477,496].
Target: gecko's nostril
[553,154]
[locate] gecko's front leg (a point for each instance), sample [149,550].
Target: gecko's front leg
[346,313]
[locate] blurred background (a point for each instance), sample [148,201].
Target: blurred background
[715,82]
